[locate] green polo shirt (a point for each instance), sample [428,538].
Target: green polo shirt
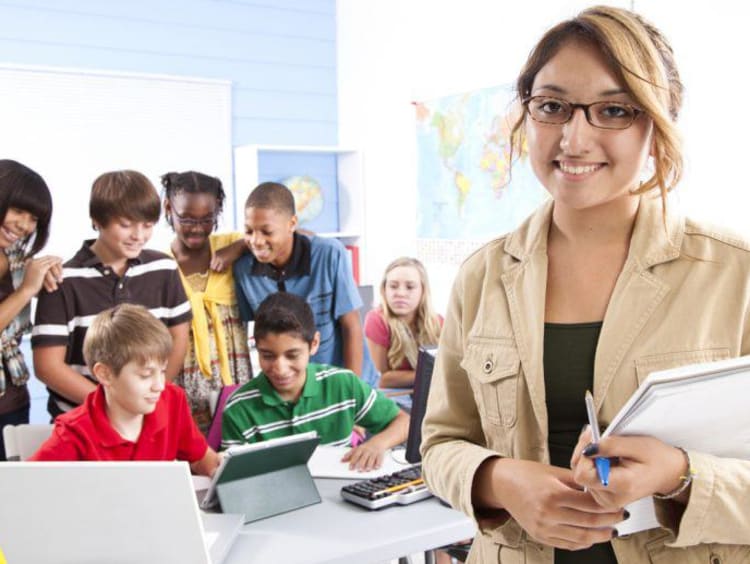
[332,402]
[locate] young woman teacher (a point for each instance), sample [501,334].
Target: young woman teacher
[602,285]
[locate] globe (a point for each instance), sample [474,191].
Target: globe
[308,196]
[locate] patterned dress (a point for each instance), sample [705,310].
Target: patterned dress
[218,347]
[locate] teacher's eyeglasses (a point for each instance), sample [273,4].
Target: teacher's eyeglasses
[604,115]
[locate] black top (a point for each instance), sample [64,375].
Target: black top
[15,397]
[569,352]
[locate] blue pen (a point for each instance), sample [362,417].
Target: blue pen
[602,464]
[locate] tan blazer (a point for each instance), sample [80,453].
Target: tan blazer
[683,296]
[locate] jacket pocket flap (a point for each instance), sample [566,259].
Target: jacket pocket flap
[490,362]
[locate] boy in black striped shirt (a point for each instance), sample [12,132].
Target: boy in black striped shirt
[107,271]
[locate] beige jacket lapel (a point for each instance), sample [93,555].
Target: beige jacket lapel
[636,296]
[638,291]
[525,288]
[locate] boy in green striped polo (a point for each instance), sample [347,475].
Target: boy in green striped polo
[292,395]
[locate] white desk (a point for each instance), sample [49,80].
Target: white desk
[338,532]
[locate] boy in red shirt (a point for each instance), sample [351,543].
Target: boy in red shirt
[133,414]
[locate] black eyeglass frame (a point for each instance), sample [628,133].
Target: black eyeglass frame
[637,112]
[190,222]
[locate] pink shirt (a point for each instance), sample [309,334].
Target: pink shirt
[377,330]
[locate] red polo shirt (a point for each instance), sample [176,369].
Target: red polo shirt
[85,433]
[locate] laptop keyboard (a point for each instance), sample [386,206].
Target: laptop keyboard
[399,488]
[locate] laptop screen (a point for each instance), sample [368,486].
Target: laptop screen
[86,512]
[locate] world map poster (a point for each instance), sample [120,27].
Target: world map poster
[466,189]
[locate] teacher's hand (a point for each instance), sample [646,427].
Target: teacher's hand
[642,467]
[546,502]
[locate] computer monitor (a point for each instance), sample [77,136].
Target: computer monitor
[367,294]
[422,379]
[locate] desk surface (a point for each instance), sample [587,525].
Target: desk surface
[336,531]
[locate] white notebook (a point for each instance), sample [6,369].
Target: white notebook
[701,407]
[326,463]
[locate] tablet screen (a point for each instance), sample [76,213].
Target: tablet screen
[242,460]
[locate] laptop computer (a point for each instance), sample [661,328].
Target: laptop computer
[114,512]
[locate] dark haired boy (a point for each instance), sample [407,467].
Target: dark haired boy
[314,268]
[292,395]
[112,269]
[133,414]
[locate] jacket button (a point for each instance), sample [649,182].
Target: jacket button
[489,366]
[715,559]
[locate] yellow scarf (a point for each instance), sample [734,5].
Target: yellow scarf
[219,290]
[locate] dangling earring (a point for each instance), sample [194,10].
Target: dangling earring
[651,165]
[650,168]
[647,172]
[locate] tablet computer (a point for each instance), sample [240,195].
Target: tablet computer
[255,459]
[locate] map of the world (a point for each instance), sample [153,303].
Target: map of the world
[465,187]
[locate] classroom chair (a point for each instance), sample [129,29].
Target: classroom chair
[21,441]
[213,437]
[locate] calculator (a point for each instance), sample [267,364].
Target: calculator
[372,495]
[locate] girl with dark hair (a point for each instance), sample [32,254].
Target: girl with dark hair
[218,353]
[26,209]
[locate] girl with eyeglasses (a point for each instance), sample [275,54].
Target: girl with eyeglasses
[26,209]
[218,352]
[602,285]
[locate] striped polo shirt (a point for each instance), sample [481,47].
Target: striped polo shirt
[89,287]
[332,402]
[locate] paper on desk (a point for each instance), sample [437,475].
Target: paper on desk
[326,463]
[701,407]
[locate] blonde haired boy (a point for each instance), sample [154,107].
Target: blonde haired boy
[134,413]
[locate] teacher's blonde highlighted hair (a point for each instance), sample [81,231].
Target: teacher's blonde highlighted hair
[641,58]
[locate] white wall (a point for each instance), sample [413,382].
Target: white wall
[392,52]
[710,44]
[73,125]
